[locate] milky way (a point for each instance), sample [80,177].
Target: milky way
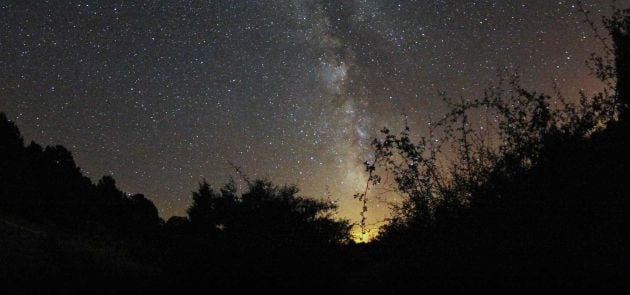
[162,94]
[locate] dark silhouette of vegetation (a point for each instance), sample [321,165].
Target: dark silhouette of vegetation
[268,234]
[537,195]
[45,184]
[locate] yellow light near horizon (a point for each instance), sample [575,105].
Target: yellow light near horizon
[362,238]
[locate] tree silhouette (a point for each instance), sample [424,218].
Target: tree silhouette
[46,184]
[202,212]
[11,149]
[267,234]
[267,213]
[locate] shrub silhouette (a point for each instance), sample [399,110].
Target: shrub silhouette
[545,203]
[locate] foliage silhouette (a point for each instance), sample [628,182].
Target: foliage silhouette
[45,184]
[267,233]
[537,195]
[540,200]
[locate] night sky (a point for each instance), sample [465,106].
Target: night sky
[161,94]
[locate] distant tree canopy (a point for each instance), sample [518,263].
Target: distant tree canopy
[46,184]
[266,235]
[266,213]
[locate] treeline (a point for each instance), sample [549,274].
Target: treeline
[45,184]
[266,233]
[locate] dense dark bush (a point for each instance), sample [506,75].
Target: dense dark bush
[546,203]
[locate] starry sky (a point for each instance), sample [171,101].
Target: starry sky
[162,94]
